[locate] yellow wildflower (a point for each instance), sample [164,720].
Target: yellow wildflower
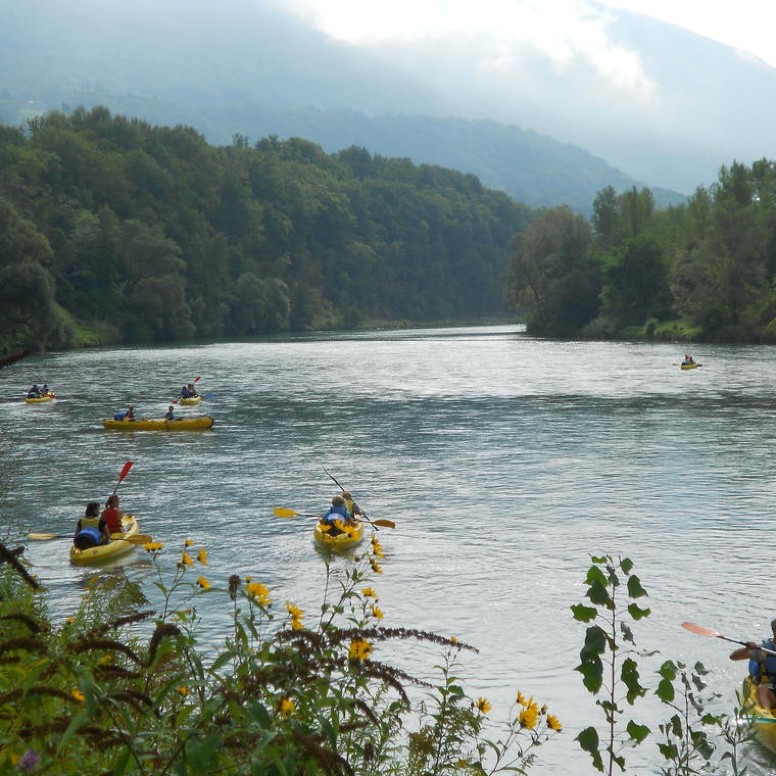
[153,546]
[293,610]
[367,592]
[521,699]
[248,580]
[359,649]
[529,716]
[454,640]
[202,556]
[203,583]
[259,592]
[77,695]
[553,723]
[377,548]
[70,620]
[183,690]
[105,660]
[375,566]
[186,559]
[377,612]
[286,708]
[483,705]
[188,543]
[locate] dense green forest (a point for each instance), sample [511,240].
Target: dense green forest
[704,270]
[114,231]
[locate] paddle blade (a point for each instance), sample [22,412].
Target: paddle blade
[45,536]
[125,470]
[285,512]
[197,379]
[700,630]
[384,523]
[132,538]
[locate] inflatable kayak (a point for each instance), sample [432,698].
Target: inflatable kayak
[180,424]
[93,556]
[190,400]
[694,365]
[342,541]
[40,399]
[763,722]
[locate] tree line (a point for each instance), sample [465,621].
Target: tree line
[114,231]
[702,270]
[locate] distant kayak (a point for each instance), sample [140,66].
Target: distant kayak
[181,424]
[190,400]
[693,365]
[40,399]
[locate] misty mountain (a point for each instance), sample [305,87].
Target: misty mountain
[246,68]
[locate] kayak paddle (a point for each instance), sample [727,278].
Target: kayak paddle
[286,512]
[375,523]
[132,538]
[701,631]
[123,474]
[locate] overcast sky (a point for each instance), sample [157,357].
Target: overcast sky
[556,24]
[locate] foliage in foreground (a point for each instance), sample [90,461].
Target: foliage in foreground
[119,688]
[692,740]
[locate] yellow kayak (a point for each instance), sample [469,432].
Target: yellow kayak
[40,399]
[93,556]
[180,424]
[693,365]
[190,400]
[342,541]
[763,722]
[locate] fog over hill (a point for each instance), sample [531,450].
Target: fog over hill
[542,134]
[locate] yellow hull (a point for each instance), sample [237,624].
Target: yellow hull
[343,541]
[182,424]
[763,722]
[191,400]
[40,399]
[689,366]
[94,556]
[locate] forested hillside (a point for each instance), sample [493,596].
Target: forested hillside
[116,231]
[705,270]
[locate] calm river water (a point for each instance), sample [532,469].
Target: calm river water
[506,461]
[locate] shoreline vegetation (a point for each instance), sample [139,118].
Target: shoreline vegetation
[120,688]
[117,232]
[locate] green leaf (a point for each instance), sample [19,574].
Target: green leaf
[588,741]
[637,732]
[584,613]
[665,690]
[599,594]
[637,612]
[629,674]
[626,564]
[635,590]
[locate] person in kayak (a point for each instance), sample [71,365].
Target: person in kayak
[338,511]
[762,667]
[688,359]
[34,392]
[112,514]
[351,506]
[91,529]
[170,414]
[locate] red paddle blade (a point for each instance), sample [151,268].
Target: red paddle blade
[700,630]
[125,470]
[197,379]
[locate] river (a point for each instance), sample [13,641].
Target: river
[506,461]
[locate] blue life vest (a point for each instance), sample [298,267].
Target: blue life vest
[334,513]
[88,537]
[120,416]
[764,671]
